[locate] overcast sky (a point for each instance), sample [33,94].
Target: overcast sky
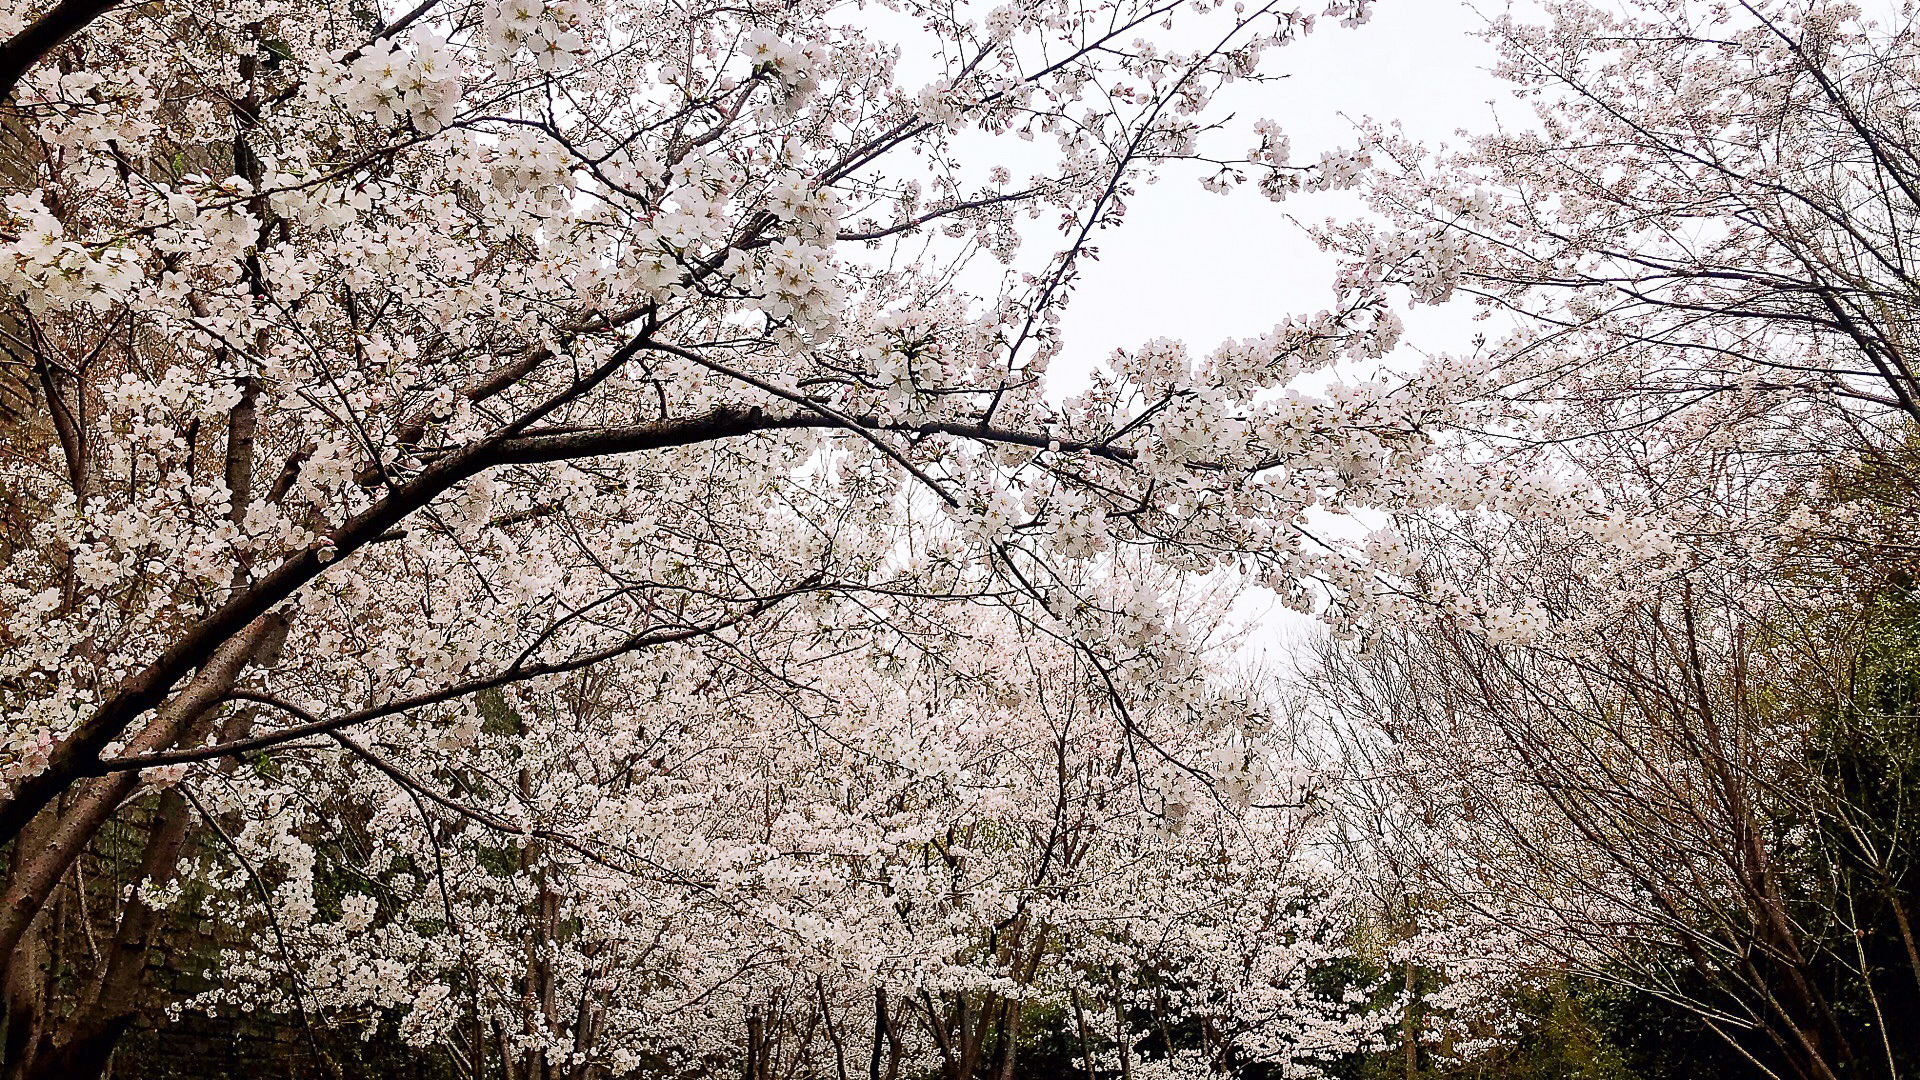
[1201,268]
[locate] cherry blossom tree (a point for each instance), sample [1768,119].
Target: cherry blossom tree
[1703,241]
[1635,624]
[497,380]
[669,873]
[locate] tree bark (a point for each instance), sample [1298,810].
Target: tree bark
[44,35]
[81,1049]
[27,965]
[1010,1046]
[1409,1028]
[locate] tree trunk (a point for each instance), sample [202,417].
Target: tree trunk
[26,970]
[58,836]
[1011,1044]
[82,1048]
[1410,1030]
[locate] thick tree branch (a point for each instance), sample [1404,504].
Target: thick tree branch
[45,34]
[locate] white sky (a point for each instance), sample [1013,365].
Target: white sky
[1201,268]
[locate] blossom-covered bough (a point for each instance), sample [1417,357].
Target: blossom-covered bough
[394,396]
